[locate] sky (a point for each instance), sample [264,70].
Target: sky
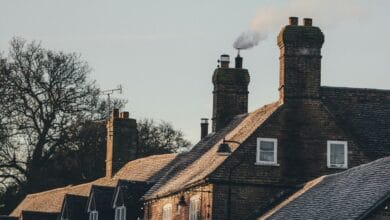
[163,53]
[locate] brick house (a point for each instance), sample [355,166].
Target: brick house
[250,161]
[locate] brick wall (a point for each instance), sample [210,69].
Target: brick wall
[153,209]
[302,128]
[122,137]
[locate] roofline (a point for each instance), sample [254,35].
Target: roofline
[356,88]
[308,186]
[376,205]
[170,193]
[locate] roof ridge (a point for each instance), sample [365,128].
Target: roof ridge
[356,88]
[65,187]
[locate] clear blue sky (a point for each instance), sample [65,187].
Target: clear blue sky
[164,52]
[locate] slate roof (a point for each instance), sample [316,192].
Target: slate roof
[194,166]
[365,113]
[351,194]
[144,169]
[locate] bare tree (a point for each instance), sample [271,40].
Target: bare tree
[52,128]
[44,96]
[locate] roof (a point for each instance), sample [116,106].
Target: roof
[100,198]
[365,114]
[194,166]
[51,200]
[144,169]
[346,195]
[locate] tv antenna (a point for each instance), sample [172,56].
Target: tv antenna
[109,92]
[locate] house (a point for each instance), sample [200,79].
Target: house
[250,161]
[253,159]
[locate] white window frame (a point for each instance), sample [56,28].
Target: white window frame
[167,212]
[272,163]
[94,215]
[121,210]
[194,208]
[345,165]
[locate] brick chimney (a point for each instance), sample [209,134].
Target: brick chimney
[300,60]
[122,137]
[230,95]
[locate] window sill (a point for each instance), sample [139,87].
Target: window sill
[267,164]
[337,168]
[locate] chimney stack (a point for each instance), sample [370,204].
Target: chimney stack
[230,95]
[204,127]
[300,60]
[122,138]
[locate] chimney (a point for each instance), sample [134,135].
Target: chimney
[122,137]
[300,60]
[230,95]
[204,127]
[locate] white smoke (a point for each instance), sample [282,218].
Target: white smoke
[325,13]
[248,39]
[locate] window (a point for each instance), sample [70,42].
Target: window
[94,215]
[167,212]
[337,154]
[267,149]
[120,213]
[194,208]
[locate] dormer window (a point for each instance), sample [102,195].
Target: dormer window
[267,150]
[120,213]
[93,215]
[337,152]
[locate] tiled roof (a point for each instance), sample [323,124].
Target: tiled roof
[365,114]
[347,195]
[144,169]
[51,200]
[194,166]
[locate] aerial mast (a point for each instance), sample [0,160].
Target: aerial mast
[109,92]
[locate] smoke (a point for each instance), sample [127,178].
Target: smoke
[248,39]
[326,14]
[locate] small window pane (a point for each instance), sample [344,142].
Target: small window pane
[267,156]
[337,154]
[266,146]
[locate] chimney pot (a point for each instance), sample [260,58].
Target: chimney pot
[238,62]
[124,115]
[225,60]
[204,127]
[307,22]
[115,113]
[293,20]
